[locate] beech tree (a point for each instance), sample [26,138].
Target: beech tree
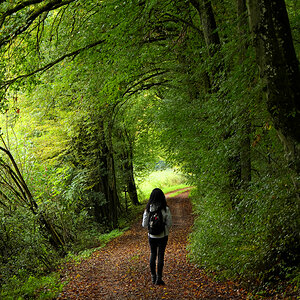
[279,69]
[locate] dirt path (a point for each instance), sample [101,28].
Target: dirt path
[121,271]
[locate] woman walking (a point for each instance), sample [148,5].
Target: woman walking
[158,219]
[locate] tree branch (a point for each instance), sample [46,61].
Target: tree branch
[30,19]
[18,7]
[50,65]
[4,197]
[129,91]
[141,81]
[16,180]
[190,24]
[148,86]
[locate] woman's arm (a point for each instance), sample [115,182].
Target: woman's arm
[145,219]
[168,218]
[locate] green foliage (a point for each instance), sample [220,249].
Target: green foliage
[23,245]
[257,239]
[100,240]
[167,180]
[149,89]
[47,287]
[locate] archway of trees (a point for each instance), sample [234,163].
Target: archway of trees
[94,92]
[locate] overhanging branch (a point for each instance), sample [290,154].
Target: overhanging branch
[140,86]
[30,18]
[147,86]
[50,65]
[18,7]
[140,82]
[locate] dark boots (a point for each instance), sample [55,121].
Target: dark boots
[157,280]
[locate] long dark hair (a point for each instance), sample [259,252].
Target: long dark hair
[158,198]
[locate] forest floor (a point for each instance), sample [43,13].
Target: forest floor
[120,270]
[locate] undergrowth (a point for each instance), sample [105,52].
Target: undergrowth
[255,243]
[44,285]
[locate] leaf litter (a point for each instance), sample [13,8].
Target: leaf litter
[120,270]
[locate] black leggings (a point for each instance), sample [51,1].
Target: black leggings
[157,246]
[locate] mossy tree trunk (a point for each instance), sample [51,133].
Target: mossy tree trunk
[245,153]
[125,156]
[279,69]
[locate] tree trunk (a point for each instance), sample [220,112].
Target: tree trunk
[107,184]
[112,191]
[127,165]
[245,153]
[130,182]
[209,25]
[112,183]
[210,33]
[279,68]
[213,44]
[22,191]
